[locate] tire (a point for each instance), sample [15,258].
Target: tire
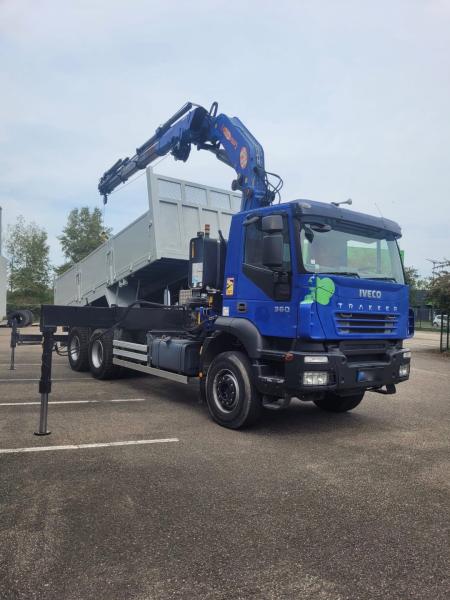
[21,317]
[231,396]
[78,348]
[30,317]
[335,403]
[100,355]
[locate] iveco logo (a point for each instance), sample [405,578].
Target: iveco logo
[369,294]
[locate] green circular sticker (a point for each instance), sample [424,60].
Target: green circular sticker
[321,291]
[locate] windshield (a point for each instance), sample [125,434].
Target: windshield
[329,246]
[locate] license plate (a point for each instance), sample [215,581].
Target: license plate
[366,375]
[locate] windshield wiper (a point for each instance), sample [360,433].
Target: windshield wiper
[383,278]
[345,273]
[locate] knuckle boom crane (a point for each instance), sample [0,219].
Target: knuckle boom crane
[305,299]
[226,137]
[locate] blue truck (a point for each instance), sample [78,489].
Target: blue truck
[303,300]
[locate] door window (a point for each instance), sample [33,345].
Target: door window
[275,283]
[253,246]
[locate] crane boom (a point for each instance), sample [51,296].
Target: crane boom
[226,137]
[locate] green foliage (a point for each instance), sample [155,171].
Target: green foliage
[415,282]
[62,268]
[29,264]
[439,291]
[20,300]
[411,276]
[83,233]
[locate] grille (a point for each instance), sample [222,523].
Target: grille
[360,322]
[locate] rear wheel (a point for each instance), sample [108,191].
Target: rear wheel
[232,398]
[78,348]
[30,317]
[335,403]
[101,355]
[21,317]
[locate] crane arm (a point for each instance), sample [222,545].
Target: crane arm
[226,137]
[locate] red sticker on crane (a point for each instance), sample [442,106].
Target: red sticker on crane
[243,157]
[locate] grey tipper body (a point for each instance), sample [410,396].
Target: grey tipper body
[151,252]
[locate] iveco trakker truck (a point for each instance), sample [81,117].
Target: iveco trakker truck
[298,299]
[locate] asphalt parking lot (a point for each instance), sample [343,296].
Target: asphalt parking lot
[306,505]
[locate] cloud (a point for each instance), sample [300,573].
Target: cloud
[349,99]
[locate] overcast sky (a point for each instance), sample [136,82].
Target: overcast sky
[348,98]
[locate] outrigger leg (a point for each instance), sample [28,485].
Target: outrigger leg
[45,382]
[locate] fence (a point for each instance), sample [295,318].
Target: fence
[444,325]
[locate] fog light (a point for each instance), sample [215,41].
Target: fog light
[316,359]
[406,353]
[315,378]
[403,370]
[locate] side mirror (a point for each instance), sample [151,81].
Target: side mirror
[272,250]
[272,223]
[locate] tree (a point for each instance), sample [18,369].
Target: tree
[413,279]
[83,233]
[411,275]
[29,264]
[439,291]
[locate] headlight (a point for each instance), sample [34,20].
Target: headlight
[316,358]
[403,370]
[406,353]
[315,378]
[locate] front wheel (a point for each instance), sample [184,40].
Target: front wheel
[232,399]
[335,403]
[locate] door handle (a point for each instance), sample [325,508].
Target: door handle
[242,307]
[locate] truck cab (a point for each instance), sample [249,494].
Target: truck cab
[315,295]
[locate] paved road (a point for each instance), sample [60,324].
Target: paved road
[305,506]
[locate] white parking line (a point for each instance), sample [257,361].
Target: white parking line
[17,364]
[82,446]
[29,364]
[73,402]
[10,379]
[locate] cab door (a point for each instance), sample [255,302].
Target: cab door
[265,291]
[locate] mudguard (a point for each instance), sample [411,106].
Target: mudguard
[245,331]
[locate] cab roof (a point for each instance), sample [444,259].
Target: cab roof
[311,208]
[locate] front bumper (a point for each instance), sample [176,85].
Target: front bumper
[348,371]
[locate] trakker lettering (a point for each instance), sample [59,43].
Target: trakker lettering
[368,307]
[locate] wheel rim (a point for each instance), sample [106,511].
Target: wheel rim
[74,348]
[225,390]
[97,354]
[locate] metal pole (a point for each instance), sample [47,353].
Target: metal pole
[45,382]
[13,344]
[448,330]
